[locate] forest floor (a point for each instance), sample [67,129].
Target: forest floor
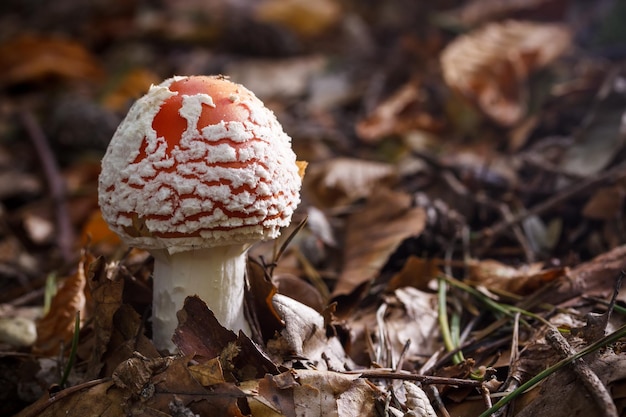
[460,244]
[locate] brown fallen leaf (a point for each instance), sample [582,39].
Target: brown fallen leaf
[106,293]
[323,393]
[403,111]
[272,395]
[56,329]
[374,233]
[416,272]
[303,17]
[523,280]
[208,373]
[490,65]
[93,398]
[129,88]
[35,58]
[304,339]
[200,336]
[606,203]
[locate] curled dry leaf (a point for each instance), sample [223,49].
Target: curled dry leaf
[56,328]
[304,336]
[374,233]
[522,281]
[490,65]
[200,336]
[417,401]
[340,181]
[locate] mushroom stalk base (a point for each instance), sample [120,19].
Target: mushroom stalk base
[216,275]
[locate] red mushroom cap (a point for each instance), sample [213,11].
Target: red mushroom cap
[198,161]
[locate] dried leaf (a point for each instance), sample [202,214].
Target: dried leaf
[490,65]
[129,88]
[601,136]
[96,233]
[326,393]
[417,401]
[271,396]
[199,335]
[374,233]
[273,78]
[208,373]
[304,336]
[307,18]
[402,112]
[95,399]
[407,315]
[133,375]
[522,281]
[31,58]
[56,328]
[416,272]
[341,181]
[607,203]
[475,12]
[106,293]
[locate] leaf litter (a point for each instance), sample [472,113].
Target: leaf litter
[465,204]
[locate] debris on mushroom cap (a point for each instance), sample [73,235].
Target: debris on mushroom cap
[198,162]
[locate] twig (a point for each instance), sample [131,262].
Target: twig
[38,409]
[424,379]
[56,184]
[588,377]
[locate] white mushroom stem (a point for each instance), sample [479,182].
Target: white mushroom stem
[216,275]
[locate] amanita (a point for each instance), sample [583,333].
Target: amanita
[198,171]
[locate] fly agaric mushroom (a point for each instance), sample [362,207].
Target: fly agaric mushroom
[197,172]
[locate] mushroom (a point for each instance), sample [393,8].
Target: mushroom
[197,172]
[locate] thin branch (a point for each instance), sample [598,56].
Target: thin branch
[424,379]
[56,184]
[594,386]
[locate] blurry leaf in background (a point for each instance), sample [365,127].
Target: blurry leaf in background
[307,18]
[96,233]
[56,329]
[603,132]
[374,233]
[522,280]
[490,65]
[275,78]
[340,181]
[607,203]
[129,88]
[37,58]
[475,12]
[403,111]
